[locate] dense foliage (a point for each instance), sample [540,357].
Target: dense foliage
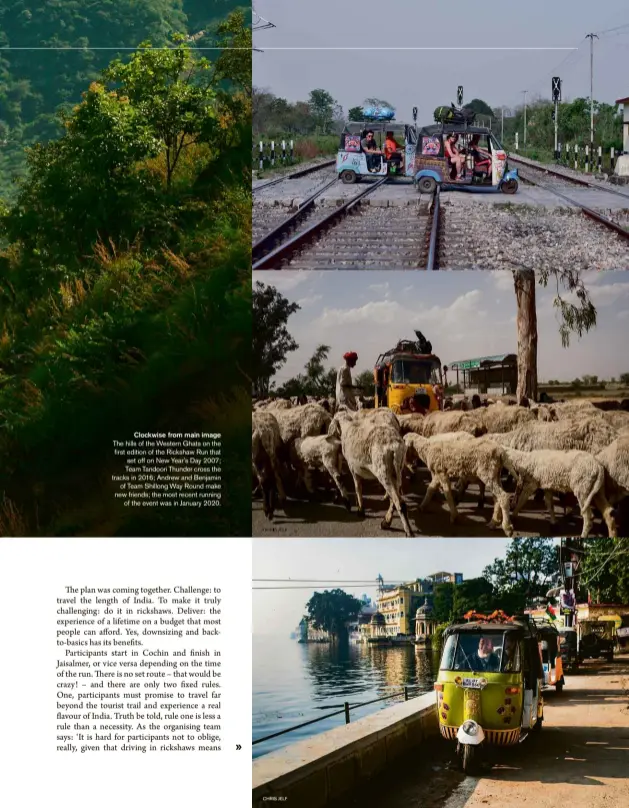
[125,295]
[35,84]
[605,570]
[332,610]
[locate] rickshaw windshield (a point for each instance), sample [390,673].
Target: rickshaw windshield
[406,371]
[492,652]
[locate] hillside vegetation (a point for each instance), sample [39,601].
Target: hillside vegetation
[125,287]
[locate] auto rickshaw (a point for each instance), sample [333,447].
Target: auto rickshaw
[433,167]
[351,159]
[596,640]
[568,649]
[552,662]
[489,689]
[405,370]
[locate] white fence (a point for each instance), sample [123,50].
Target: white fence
[270,152]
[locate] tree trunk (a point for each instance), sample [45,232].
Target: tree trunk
[524,280]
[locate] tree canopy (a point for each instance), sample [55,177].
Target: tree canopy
[332,610]
[272,341]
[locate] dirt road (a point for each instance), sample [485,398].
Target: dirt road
[325,519]
[580,759]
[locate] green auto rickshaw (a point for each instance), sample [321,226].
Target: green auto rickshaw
[489,689]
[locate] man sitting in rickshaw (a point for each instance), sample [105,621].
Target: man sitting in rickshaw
[372,152]
[393,152]
[456,159]
[482,158]
[485,659]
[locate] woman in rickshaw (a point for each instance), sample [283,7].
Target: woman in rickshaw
[393,151]
[482,158]
[454,155]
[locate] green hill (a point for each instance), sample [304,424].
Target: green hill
[34,84]
[125,275]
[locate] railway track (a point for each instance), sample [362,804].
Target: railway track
[352,236]
[302,172]
[532,176]
[570,179]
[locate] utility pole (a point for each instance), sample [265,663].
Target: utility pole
[525,94]
[502,126]
[591,37]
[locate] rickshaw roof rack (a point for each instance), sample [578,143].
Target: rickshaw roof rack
[388,356]
[454,128]
[480,626]
[352,127]
[497,616]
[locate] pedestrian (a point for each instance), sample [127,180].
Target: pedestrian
[345,396]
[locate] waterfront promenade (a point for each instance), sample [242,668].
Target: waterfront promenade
[580,759]
[395,760]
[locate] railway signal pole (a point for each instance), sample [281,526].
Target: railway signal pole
[591,37]
[459,95]
[556,99]
[525,94]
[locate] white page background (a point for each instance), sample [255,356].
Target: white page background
[33,573]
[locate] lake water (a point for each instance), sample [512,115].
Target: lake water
[294,682]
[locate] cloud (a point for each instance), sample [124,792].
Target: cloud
[309,301]
[502,279]
[284,281]
[381,288]
[376,311]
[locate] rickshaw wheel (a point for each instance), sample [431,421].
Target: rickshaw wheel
[509,187]
[348,177]
[559,687]
[470,759]
[538,725]
[427,185]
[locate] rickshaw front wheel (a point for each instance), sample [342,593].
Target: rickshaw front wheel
[509,187]
[469,758]
[538,725]
[427,185]
[348,177]
[559,687]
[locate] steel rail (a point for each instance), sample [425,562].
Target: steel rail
[294,175]
[592,214]
[271,239]
[286,250]
[567,177]
[432,262]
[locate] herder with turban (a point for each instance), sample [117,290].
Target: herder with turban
[344,388]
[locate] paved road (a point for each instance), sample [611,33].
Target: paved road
[327,520]
[580,759]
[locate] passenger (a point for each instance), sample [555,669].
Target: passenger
[482,158]
[393,152]
[485,659]
[509,653]
[344,388]
[454,155]
[372,152]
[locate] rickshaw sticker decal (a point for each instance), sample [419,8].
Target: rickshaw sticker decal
[444,716]
[500,710]
[446,706]
[352,143]
[507,719]
[431,145]
[507,701]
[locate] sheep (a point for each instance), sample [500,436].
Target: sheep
[615,461]
[584,434]
[576,472]
[304,421]
[437,422]
[318,452]
[463,459]
[500,418]
[265,447]
[374,450]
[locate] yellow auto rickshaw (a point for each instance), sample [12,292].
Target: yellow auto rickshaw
[552,663]
[408,370]
[489,688]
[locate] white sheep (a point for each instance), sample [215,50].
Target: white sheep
[304,421]
[374,450]
[615,461]
[265,447]
[463,459]
[584,434]
[320,452]
[576,472]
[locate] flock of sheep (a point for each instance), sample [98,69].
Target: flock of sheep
[573,448]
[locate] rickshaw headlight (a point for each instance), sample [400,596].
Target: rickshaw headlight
[438,687]
[511,691]
[470,727]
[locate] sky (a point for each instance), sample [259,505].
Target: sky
[427,79]
[465,314]
[278,611]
